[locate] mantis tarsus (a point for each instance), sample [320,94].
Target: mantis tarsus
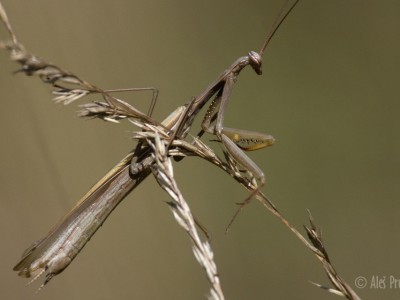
[54,252]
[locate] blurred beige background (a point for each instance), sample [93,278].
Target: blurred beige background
[329,95]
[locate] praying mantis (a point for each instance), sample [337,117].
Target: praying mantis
[53,253]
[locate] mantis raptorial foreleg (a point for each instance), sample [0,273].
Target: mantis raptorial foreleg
[236,140]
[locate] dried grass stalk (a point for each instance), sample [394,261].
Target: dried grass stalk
[163,172]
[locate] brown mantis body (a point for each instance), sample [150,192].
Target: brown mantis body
[54,252]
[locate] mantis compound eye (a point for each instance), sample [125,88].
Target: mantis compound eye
[255,62]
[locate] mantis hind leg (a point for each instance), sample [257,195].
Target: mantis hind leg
[153,98]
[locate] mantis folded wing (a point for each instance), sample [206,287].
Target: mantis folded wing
[54,252]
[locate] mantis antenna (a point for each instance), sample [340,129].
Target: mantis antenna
[277,23]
